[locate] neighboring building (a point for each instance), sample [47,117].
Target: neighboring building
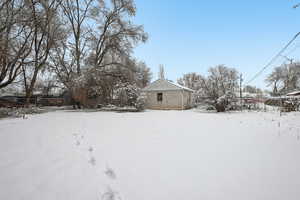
[165,95]
[292,97]
[294,94]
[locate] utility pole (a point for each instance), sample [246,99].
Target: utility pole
[288,73]
[241,90]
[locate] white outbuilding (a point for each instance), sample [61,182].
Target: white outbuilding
[166,95]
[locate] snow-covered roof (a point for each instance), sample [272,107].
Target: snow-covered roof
[165,85]
[4,94]
[295,93]
[251,95]
[285,97]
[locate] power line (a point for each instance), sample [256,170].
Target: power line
[274,58]
[294,49]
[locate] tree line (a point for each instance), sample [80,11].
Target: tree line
[84,46]
[284,79]
[220,80]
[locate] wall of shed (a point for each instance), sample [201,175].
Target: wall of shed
[172,100]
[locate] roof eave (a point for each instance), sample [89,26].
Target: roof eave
[153,90]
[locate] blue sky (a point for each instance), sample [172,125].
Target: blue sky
[193,35]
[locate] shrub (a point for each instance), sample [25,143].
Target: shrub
[140,103]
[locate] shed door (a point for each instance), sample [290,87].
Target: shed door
[159,97]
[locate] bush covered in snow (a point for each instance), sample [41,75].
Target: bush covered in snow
[19,112]
[141,103]
[126,94]
[224,103]
[4,112]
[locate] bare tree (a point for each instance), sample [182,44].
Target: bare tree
[161,73]
[115,36]
[67,57]
[191,80]
[222,80]
[284,78]
[252,89]
[291,76]
[46,84]
[14,40]
[77,13]
[101,39]
[110,45]
[46,30]
[274,79]
[143,74]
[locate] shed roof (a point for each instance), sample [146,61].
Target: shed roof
[165,85]
[295,93]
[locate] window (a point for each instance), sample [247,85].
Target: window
[159,96]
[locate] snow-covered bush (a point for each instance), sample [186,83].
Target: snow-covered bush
[141,103]
[126,94]
[4,112]
[19,112]
[226,102]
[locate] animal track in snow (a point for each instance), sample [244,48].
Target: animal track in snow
[79,140]
[110,173]
[110,195]
[92,161]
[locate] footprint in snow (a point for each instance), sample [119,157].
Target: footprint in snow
[111,195]
[110,173]
[92,161]
[90,149]
[77,143]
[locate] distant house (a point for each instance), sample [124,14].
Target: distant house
[165,95]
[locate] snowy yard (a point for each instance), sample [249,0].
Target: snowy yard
[154,155]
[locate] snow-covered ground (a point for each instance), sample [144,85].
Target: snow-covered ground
[154,155]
